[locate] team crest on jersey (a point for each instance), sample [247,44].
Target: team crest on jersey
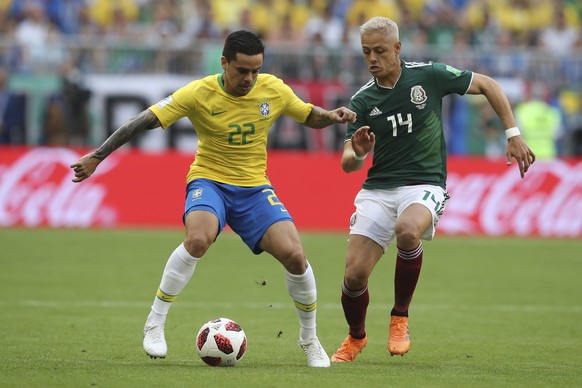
[196,194]
[264,107]
[418,95]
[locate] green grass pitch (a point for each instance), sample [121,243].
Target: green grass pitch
[488,312]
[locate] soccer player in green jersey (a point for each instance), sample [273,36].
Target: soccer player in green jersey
[227,183]
[399,118]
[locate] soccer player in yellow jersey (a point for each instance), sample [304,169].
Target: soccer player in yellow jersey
[232,113]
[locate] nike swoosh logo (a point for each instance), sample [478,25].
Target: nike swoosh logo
[213,113]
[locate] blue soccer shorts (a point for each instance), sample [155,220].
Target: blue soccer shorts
[249,211]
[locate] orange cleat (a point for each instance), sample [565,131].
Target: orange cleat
[399,339]
[349,349]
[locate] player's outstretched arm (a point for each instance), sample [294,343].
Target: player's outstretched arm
[516,147]
[87,165]
[320,118]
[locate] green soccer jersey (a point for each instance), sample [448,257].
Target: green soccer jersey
[406,119]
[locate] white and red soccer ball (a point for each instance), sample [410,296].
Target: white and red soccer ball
[221,342]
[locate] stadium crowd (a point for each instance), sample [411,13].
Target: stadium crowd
[537,41]
[482,22]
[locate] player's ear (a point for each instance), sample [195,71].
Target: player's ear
[397,47]
[223,62]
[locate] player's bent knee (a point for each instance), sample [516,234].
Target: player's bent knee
[295,263]
[197,244]
[407,237]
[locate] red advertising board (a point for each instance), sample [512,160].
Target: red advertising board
[136,189]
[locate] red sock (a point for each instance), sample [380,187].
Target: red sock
[408,264]
[355,304]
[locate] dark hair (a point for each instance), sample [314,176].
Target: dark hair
[244,42]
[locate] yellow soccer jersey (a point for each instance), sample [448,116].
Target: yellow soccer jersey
[232,131]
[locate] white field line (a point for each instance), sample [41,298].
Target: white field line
[324,306]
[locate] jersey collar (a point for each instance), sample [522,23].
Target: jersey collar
[221,83]
[397,79]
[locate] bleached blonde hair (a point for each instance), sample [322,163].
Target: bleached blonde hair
[380,24]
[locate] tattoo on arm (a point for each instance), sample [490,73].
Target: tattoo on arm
[142,122]
[318,118]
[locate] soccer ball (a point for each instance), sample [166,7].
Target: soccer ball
[221,342]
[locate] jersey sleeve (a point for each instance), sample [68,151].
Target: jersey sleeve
[451,80]
[174,107]
[295,107]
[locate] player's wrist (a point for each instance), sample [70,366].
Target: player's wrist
[512,132]
[363,157]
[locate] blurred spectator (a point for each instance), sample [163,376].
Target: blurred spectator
[300,11]
[571,104]
[54,122]
[351,37]
[572,10]
[371,8]
[88,56]
[483,26]
[66,113]
[199,21]
[12,113]
[416,7]
[459,5]
[76,98]
[245,22]
[523,18]
[540,123]
[505,60]
[164,37]
[560,38]
[123,37]
[42,46]
[262,16]
[9,54]
[285,31]
[318,6]
[340,8]
[191,14]
[7,23]
[411,31]
[65,14]
[51,55]
[121,27]
[32,35]
[325,28]
[319,60]
[439,20]
[107,13]
[87,28]
[226,13]
[456,55]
